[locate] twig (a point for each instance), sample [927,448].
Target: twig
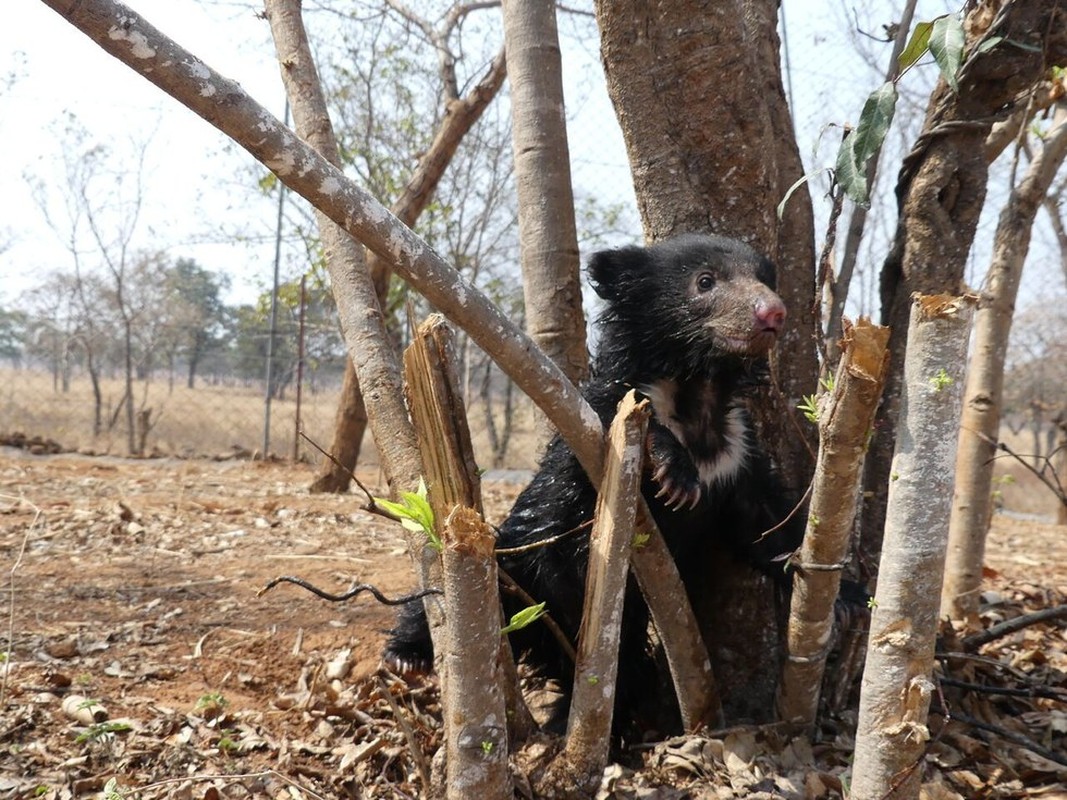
[1011,736]
[972,643]
[1053,483]
[355,590]
[135,791]
[6,662]
[409,734]
[511,551]
[1048,692]
[512,587]
[371,506]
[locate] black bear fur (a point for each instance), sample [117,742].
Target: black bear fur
[687,323]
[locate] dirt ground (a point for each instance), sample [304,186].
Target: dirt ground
[134,585]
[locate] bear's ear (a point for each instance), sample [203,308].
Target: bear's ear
[611,269]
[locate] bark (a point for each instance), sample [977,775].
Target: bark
[548,240]
[940,192]
[845,420]
[476,740]
[361,316]
[980,424]
[708,154]
[895,694]
[1059,465]
[469,648]
[128,37]
[461,113]
[585,754]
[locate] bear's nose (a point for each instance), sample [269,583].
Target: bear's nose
[770,314]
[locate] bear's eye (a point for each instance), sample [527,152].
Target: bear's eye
[705,282]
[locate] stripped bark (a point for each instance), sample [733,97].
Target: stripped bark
[596,667]
[895,695]
[845,420]
[972,505]
[468,647]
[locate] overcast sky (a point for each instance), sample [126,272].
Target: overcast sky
[198,188]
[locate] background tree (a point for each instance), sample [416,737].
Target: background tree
[980,423]
[196,311]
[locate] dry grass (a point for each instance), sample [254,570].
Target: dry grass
[206,420]
[210,420]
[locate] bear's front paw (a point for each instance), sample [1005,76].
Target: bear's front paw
[673,470]
[678,491]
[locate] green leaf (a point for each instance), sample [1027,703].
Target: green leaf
[525,617]
[946,45]
[864,141]
[916,47]
[414,513]
[986,45]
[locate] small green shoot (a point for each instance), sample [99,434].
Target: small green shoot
[640,539]
[487,747]
[523,618]
[228,742]
[414,513]
[813,521]
[592,680]
[941,380]
[872,604]
[112,790]
[101,730]
[810,408]
[42,790]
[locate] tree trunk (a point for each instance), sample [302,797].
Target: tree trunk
[891,735]
[548,240]
[980,424]
[361,316]
[350,421]
[685,129]
[845,419]
[940,191]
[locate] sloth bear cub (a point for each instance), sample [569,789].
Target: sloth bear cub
[687,323]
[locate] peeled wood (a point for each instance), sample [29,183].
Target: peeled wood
[845,425]
[895,696]
[596,668]
[128,37]
[453,482]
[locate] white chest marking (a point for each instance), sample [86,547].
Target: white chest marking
[727,460]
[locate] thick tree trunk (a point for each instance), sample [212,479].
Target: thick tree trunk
[891,734]
[940,192]
[548,240]
[980,424]
[709,154]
